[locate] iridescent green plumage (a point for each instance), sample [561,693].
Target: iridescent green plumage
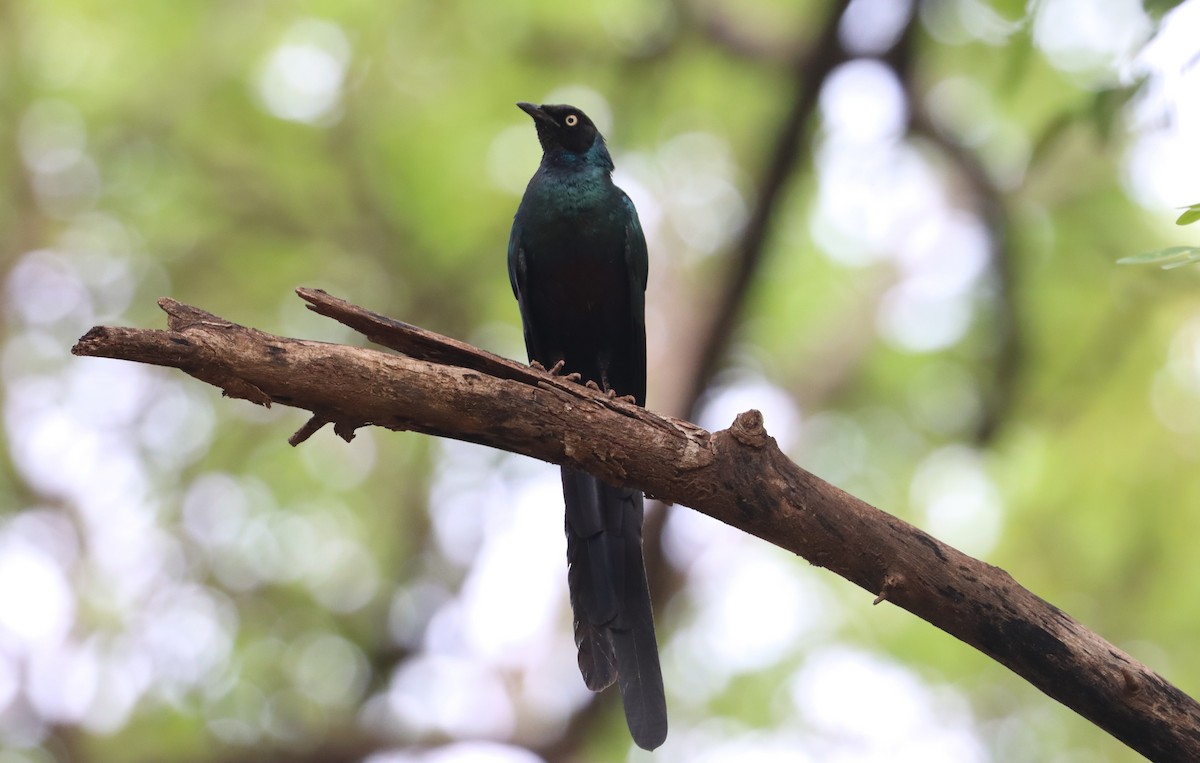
[578,265]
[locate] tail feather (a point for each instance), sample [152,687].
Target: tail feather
[614,621]
[640,678]
[597,658]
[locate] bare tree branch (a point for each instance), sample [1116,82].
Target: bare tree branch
[737,475]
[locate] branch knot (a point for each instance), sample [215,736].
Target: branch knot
[748,429]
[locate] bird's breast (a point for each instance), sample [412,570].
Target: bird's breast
[573,231]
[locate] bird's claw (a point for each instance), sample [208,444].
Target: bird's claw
[553,370]
[593,386]
[573,377]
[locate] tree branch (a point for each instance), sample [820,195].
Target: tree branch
[447,388]
[809,73]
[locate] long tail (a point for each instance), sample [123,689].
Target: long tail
[614,624]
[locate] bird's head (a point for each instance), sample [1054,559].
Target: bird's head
[564,128]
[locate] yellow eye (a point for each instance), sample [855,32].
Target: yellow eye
[571,120]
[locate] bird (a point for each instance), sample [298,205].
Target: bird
[578,265]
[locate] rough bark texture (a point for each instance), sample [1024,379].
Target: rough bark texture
[446,388]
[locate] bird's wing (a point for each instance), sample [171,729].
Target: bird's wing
[518,272]
[516,263]
[635,247]
[637,262]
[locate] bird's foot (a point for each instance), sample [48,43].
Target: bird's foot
[612,395]
[593,386]
[553,370]
[574,377]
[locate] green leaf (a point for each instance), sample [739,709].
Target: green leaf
[1190,215]
[1159,8]
[1187,261]
[1171,257]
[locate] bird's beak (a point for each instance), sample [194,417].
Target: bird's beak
[536,112]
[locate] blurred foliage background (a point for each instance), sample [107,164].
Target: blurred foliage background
[890,226]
